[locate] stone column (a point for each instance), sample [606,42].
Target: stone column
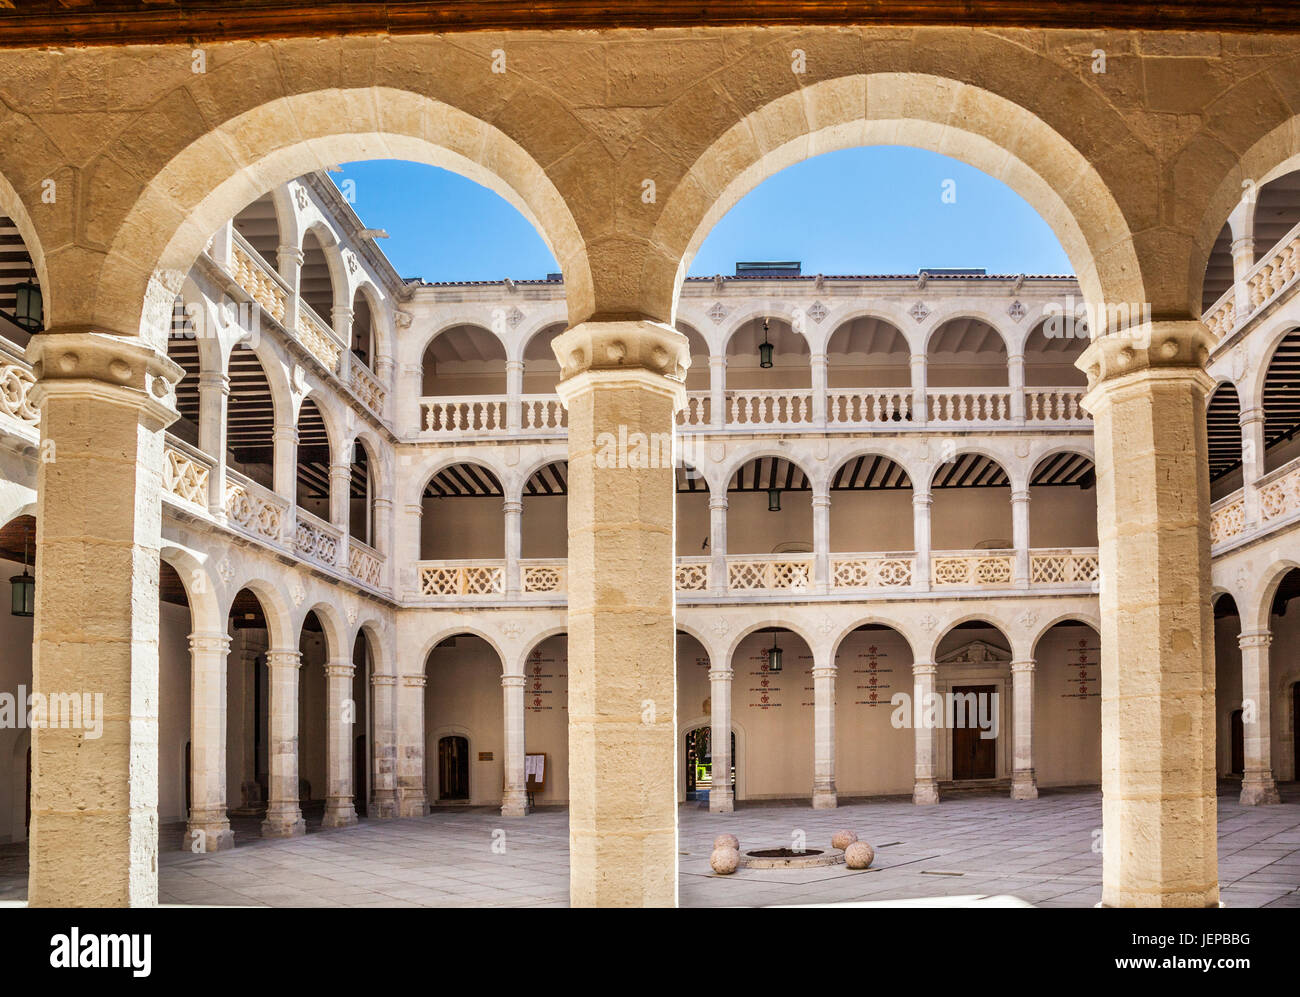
[411,798]
[818,370]
[283,815]
[209,826]
[919,389]
[514,795]
[821,503]
[718,543]
[1243,261]
[1252,461]
[1147,390]
[921,502]
[104,402]
[214,393]
[718,390]
[222,241]
[285,461]
[289,262]
[514,538]
[514,391]
[1016,382]
[384,747]
[1024,784]
[411,386]
[1020,534]
[1257,783]
[823,795]
[722,796]
[341,510]
[340,718]
[925,784]
[622,665]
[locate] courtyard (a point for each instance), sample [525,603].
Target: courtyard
[974,848]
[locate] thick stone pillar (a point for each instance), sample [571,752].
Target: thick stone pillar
[821,503]
[340,718]
[622,666]
[411,798]
[1020,535]
[1024,784]
[919,388]
[214,394]
[1147,390]
[513,509]
[925,782]
[514,794]
[104,402]
[283,815]
[823,794]
[718,543]
[1257,783]
[921,502]
[383,803]
[722,795]
[208,829]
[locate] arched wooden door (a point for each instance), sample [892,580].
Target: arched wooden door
[453,768]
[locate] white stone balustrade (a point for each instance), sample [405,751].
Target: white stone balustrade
[255,510]
[1064,566]
[16,382]
[262,284]
[461,578]
[544,577]
[1269,277]
[769,408]
[367,387]
[1278,494]
[185,473]
[316,540]
[450,416]
[365,564]
[866,572]
[973,569]
[969,406]
[869,406]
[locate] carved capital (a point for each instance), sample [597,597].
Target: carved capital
[622,347]
[1023,666]
[1258,638]
[1174,348]
[721,674]
[283,659]
[209,643]
[513,681]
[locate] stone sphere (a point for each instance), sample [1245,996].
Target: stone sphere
[726,841]
[842,839]
[725,861]
[859,855]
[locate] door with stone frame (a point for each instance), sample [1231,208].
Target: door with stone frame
[973,756]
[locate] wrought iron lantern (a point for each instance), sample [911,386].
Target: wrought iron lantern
[29,308]
[774,657]
[765,349]
[774,500]
[23,588]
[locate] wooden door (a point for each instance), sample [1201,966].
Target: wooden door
[453,768]
[1238,740]
[973,757]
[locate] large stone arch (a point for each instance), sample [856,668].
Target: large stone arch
[975,125]
[200,588]
[172,214]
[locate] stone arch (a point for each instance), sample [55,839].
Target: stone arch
[1014,469]
[282,634]
[332,251]
[894,624]
[381,333]
[965,310]
[203,183]
[456,630]
[1003,627]
[1260,608]
[780,621]
[741,458]
[373,629]
[200,588]
[332,624]
[1031,645]
[534,642]
[436,467]
[996,135]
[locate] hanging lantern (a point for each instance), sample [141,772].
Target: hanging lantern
[774,657]
[23,589]
[29,309]
[774,500]
[765,349]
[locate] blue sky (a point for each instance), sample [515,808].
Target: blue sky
[883,209]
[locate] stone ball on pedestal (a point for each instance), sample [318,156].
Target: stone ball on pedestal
[842,839]
[725,861]
[859,855]
[726,841]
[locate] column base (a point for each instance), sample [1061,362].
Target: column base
[721,801]
[825,799]
[286,823]
[208,836]
[1024,786]
[339,813]
[925,792]
[412,805]
[514,805]
[1259,792]
[383,807]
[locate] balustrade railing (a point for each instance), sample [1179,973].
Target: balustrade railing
[319,339]
[968,405]
[475,415]
[256,510]
[542,413]
[367,386]
[543,577]
[864,572]
[747,573]
[316,540]
[459,578]
[972,568]
[1055,405]
[186,472]
[1064,566]
[263,284]
[365,564]
[16,381]
[781,407]
[888,407]
[698,411]
[693,574]
[1274,272]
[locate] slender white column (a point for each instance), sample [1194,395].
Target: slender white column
[222,240]
[214,394]
[821,503]
[1016,382]
[514,797]
[1252,460]
[925,785]
[341,509]
[285,480]
[919,389]
[209,826]
[383,748]
[718,390]
[514,390]
[818,369]
[289,263]
[412,385]
[921,502]
[1257,783]
[1241,226]
[823,795]
[283,814]
[1024,784]
[718,543]
[514,533]
[411,798]
[340,715]
[722,795]
[1020,534]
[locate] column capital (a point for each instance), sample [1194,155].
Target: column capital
[922,496]
[1024,665]
[721,674]
[824,672]
[1021,495]
[1254,638]
[821,496]
[1155,349]
[717,503]
[513,681]
[214,379]
[218,643]
[654,354]
[340,669]
[924,668]
[382,680]
[512,507]
[283,659]
[514,365]
[1250,416]
[415,681]
[290,254]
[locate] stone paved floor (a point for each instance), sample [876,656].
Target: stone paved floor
[1038,851]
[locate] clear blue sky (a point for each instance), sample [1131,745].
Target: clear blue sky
[874,210]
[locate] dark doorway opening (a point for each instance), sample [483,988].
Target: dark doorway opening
[699,763]
[1238,740]
[360,797]
[973,756]
[453,768]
